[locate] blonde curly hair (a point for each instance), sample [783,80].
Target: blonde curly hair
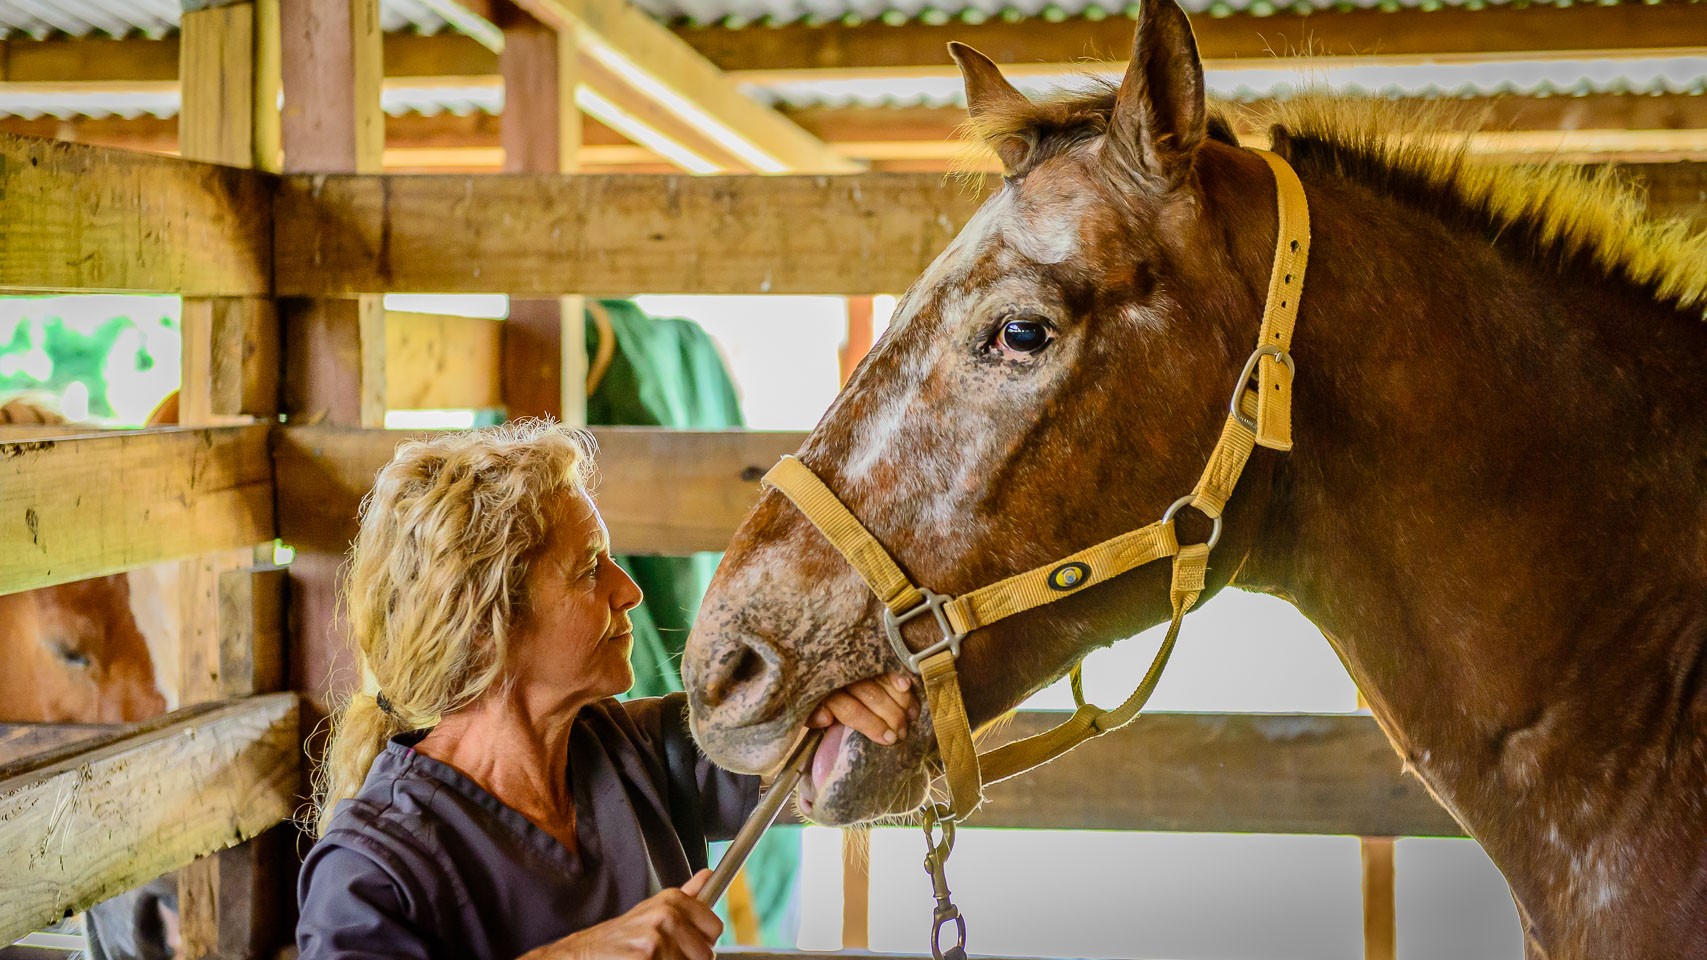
[434,583]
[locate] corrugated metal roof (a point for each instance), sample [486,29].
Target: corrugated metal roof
[41,19]
[742,13]
[1536,78]
[1673,75]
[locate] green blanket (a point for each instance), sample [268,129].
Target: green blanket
[667,372]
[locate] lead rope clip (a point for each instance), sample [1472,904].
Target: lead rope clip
[938,816]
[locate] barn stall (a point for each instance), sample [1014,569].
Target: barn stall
[264,161]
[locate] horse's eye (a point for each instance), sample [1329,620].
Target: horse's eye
[70,655]
[1025,336]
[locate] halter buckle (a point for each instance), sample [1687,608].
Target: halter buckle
[933,604]
[1266,350]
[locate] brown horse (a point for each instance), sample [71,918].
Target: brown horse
[80,652]
[1494,508]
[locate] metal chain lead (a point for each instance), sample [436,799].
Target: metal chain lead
[938,816]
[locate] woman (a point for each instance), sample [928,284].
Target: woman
[484,797]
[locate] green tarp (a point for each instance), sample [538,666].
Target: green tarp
[667,372]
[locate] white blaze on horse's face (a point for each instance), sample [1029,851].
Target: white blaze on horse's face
[988,273]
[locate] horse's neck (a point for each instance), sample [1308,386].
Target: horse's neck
[1495,509]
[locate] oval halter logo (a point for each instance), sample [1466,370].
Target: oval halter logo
[1068,576]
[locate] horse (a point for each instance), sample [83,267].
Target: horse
[83,652]
[1491,505]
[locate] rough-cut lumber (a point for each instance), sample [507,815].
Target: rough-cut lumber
[544,346]
[102,821]
[1458,34]
[665,69]
[662,491]
[1222,773]
[94,220]
[19,742]
[231,359]
[542,235]
[434,361]
[92,505]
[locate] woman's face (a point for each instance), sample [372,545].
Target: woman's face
[575,636]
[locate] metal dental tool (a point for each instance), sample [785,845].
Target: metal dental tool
[763,816]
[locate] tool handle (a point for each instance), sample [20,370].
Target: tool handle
[765,814]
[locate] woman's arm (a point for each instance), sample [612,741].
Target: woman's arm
[352,909]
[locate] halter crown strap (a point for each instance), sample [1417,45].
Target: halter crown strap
[1261,416]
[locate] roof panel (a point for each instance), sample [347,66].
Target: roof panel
[40,19]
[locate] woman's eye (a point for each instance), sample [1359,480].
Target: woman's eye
[1024,336]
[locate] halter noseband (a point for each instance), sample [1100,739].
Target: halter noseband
[1262,416]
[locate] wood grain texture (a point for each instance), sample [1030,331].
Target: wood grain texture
[670,72]
[332,67]
[1455,34]
[96,220]
[661,491]
[544,235]
[436,362]
[92,505]
[21,741]
[1223,773]
[102,821]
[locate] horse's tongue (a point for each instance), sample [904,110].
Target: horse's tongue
[824,761]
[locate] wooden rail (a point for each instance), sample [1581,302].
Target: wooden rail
[680,491]
[90,825]
[91,505]
[1222,773]
[94,220]
[551,235]
[603,234]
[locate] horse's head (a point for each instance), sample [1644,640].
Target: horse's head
[75,653]
[1056,377]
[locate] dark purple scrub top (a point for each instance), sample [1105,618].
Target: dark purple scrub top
[423,862]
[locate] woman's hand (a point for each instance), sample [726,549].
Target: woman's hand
[879,707]
[670,926]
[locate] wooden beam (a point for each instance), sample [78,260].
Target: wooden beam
[231,359]
[1380,915]
[544,341]
[622,234]
[1364,36]
[616,235]
[102,821]
[671,491]
[1222,773]
[92,220]
[439,362]
[334,348]
[661,67]
[95,505]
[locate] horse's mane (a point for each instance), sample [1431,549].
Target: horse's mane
[1418,153]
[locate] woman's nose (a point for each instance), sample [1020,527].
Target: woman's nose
[628,594]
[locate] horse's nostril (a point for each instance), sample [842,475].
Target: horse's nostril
[744,681]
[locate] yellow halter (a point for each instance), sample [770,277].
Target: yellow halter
[1261,416]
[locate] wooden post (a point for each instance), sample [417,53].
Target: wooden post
[861,332]
[1380,927]
[331,62]
[545,349]
[1380,904]
[228,72]
[856,884]
[332,68]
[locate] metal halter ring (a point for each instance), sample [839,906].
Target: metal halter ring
[1185,501]
[933,604]
[1266,350]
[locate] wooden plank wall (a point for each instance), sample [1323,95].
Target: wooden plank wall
[619,233]
[100,822]
[84,219]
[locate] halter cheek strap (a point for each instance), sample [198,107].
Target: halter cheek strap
[1260,416]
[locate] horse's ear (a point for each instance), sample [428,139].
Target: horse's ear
[994,104]
[1159,114]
